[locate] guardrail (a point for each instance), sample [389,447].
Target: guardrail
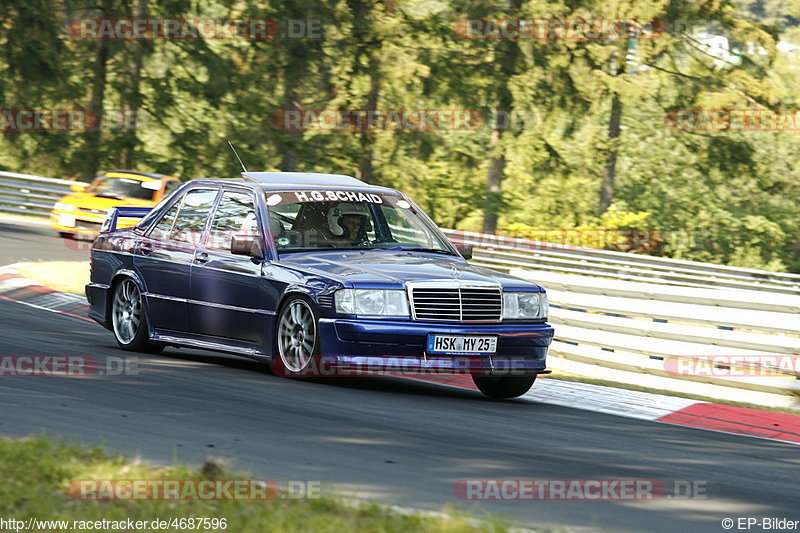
[655,331]
[505,253]
[23,194]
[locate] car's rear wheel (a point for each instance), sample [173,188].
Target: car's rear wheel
[503,387]
[129,319]
[296,338]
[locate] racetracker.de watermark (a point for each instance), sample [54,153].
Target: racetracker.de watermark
[402,119]
[191,489]
[733,119]
[348,365]
[555,29]
[736,366]
[543,489]
[622,240]
[67,120]
[173,29]
[377,119]
[70,366]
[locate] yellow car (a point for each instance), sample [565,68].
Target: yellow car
[83,212]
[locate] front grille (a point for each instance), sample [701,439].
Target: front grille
[93,211]
[457,303]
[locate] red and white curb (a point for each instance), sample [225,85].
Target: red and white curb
[15,288]
[770,425]
[598,398]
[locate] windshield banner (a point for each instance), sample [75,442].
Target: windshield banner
[317,195]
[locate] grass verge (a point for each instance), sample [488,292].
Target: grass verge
[63,276]
[37,472]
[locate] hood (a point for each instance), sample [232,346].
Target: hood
[90,201]
[390,268]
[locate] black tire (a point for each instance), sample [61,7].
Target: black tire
[67,235]
[502,388]
[296,348]
[129,319]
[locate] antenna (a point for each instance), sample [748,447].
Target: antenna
[237,155]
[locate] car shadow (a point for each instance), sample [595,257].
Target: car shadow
[389,383]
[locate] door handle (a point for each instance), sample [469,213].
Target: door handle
[201,257]
[145,249]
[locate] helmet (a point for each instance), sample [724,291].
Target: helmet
[341,209]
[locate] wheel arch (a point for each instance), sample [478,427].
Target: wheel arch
[118,276]
[288,294]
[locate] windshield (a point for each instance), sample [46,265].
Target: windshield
[316,220]
[120,188]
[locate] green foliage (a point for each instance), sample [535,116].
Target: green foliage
[724,196]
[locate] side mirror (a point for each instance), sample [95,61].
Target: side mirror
[78,187]
[249,245]
[465,250]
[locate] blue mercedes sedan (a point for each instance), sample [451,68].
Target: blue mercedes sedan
[317,275]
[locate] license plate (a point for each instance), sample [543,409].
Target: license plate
[66,220]
[461,344]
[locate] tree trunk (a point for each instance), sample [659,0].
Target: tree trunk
[89,155]
[129,120]
[366,169]
[292,95]
[497,164]
[91,146]
[507,59]
[619,62]
[366,60]
[494,180]
[609,172]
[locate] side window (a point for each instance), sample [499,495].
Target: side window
[192,216]
[163,227]
[235,215]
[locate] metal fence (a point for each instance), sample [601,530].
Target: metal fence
[505,253]
[23,194]
[722,343]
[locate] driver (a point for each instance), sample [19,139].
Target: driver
[348,223]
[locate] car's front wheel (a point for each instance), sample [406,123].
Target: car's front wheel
[296,338]
[504,387]
[129,319]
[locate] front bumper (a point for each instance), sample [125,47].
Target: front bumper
[353,345]
[83,223]
[76,222]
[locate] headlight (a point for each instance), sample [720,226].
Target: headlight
[371,302]
[61,206]
[524,305]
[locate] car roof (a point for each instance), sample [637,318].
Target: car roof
[302,178]
[275,181]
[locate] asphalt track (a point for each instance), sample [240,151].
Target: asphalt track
[33,241]
[391,439]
